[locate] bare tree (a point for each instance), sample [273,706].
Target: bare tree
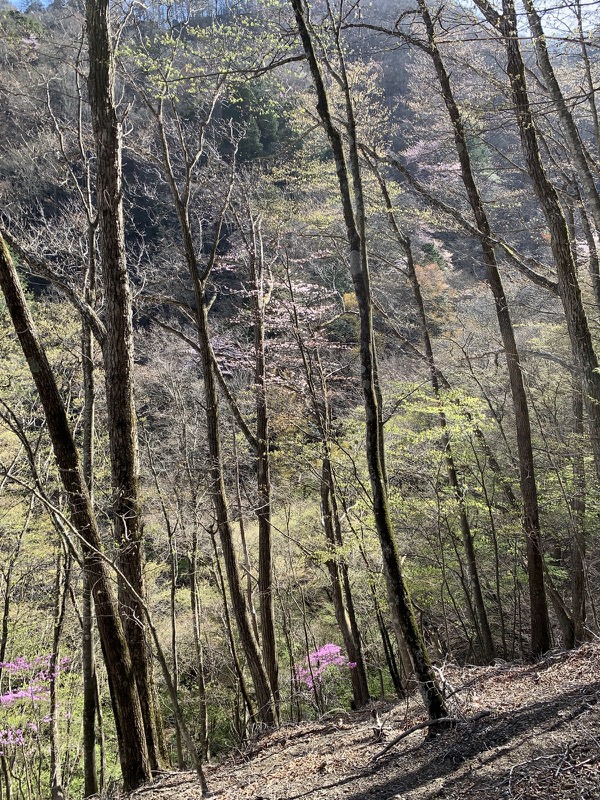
[353,209]
[133,753]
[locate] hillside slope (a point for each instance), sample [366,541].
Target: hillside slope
[540,739]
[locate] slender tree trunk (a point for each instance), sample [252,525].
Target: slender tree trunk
[480,618]
[593,260]
[88,661]
[7,778]
[402,613]
[118,366]
[540,623]
[7,573]
[229,629]
[198,651]
[568,285]
[576,148]
[263,472]
[199,274]
[174,650]
[360,689]
[578,544]
[203,733]
[591,90]
[262,687]
[242,527]
[133,753]
[61,592]
[337,566]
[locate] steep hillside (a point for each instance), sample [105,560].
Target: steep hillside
[525,731]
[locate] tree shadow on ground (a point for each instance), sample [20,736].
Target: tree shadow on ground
[441,756]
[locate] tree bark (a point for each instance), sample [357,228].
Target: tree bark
[263,467]
[262,686]
[133,752]
[118,366]
[402,613]
[576,148]
[88,423]
[199,274]
[568,285]
[61,592]
[540,623]
[338,568]
[360,688]
[198,650]
[578,543]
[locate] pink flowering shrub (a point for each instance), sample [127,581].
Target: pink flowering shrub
[22,700]
[321,677]
[330,655]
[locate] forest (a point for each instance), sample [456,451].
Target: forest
[299,389]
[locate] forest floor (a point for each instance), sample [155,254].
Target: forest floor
[525,731]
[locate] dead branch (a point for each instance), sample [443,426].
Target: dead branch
[427,724]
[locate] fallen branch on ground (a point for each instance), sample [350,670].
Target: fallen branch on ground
[429,723]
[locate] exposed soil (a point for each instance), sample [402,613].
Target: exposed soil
[540,738]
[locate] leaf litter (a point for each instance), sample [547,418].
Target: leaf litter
[523,732]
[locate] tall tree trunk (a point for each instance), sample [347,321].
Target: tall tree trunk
[261,294]
[118,366]
[133,752]
[229,630]
[480,617]
[199,274]
[262,686]
[61,592]
[88,664]
[337,566]
[593,260]
[568,285]
[173,568]
[540,623]
[88,423]
[198,649]
[591,90]
[402,613]
[245,551]
[578,545]
[576,148]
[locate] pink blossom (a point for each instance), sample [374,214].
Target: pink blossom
[330,655]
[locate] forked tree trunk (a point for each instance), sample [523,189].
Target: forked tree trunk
[133,753]
[401,608]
